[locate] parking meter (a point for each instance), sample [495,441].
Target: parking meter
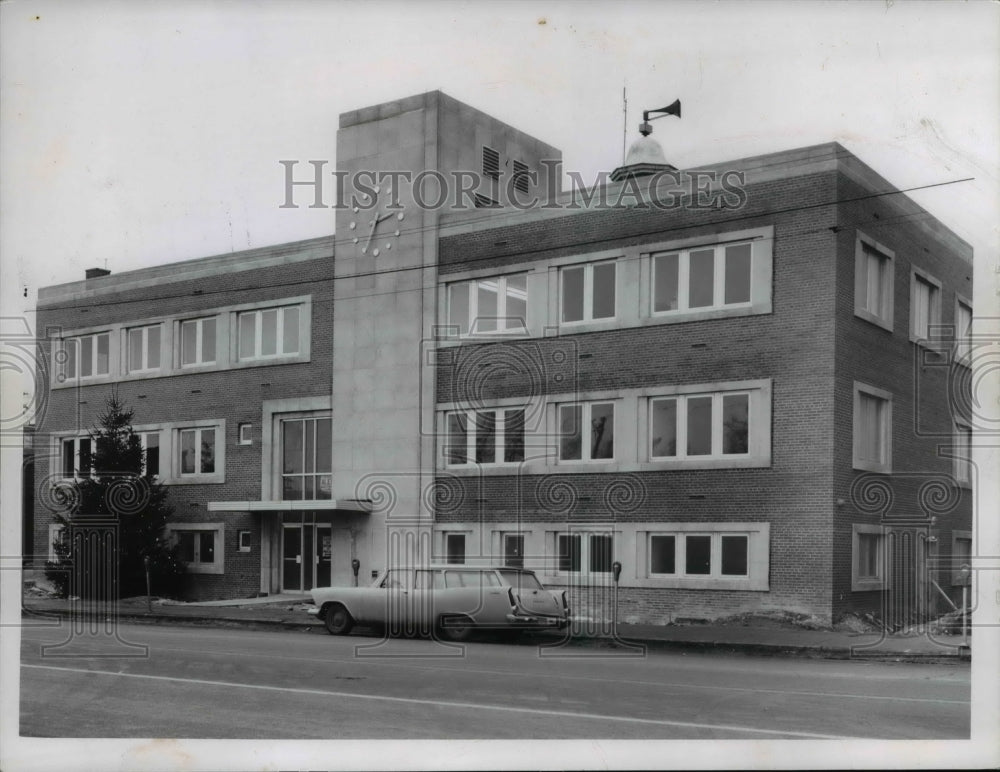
[355,565]
[149,602]
[617,568]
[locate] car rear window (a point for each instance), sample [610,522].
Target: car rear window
[520,580]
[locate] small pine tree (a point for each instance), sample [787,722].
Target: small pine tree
[116,487]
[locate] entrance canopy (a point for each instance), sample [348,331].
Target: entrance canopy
[348,505]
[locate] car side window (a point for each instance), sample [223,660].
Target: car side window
[396,579]
[426,580]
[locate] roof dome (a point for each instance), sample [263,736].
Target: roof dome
[645,150]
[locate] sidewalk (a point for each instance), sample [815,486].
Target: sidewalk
[761,637]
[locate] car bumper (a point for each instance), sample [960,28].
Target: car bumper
[530,620]
[313,610]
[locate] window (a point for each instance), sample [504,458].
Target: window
[702,278]
[86,356]
[491,162]
[485,437]
[454,547]
[521,177]
[588,292]
[587,431]
[868,563]
[513,550]
[963,332]
[269,333]
[198,344]
[963,453]
[143,348]
[699,425]
[307,458]
[961,556]
[584,553]
[57,533]
[151,445]
[199,545]
[495,305]
[245,434]
[872,429]
[925,306]
[197,449]
[475,579]
[243,541]
[873,280]
[76,457]
[701,555]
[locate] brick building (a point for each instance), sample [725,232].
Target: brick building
[746,390]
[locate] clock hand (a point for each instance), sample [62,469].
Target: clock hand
[371,230]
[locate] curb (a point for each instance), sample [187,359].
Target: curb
[961,656]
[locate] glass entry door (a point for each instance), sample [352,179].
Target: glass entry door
[291,557]
[324,555]
[307,556]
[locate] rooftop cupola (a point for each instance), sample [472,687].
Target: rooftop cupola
[645,156]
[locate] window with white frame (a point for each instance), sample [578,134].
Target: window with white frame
[702,278]
[143,348]
[268,333]
[200,546]
[925,305]
[868,557]
[963,453]
[151,446]
[963,332]
[715,555]
[244,540]
[75,456]
[586,431]
[197,449]
[198,341]
[86,356]
[587,292]
[244,434]
[699,425]
[485,437]
[872,428]
[487,306]
[307,458]
[454,548]
[583,553]
[873,282]
[513,550]
[961,556]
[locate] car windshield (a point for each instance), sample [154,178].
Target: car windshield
[520,580]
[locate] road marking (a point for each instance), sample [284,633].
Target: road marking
[450,704]
[645,682]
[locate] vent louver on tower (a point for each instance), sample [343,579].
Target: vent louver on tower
[491,162]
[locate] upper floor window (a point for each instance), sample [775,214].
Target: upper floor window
[151,445]
[703,278]
[587,431]
[587,292]
[307,458]
[144,348]
[197,449]
[198,341]
[269,332]
[696,425]
[86,356]
[498,304]
[75,456]
[963,331]
[925,306]
[485,437]
[873,282]
[872,428]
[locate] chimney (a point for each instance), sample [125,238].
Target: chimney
[95,273]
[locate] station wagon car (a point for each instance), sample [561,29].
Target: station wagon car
[453,600]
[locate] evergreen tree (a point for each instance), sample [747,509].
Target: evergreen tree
[114,488]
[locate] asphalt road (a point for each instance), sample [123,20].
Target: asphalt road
[236,683]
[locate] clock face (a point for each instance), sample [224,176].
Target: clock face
[375,229]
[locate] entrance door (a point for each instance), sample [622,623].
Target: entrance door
[324,555]
[291,557]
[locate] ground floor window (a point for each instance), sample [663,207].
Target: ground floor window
[199,545]
[454,547]
[868,558]
[584,554]
[698,554]
[961,556]
[513,550]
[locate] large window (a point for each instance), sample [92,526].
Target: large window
[925,306]
[872,429]
[868,557]
[873,281]
[198,341]
[486,306]
[699,425]
[584,553]
[200,546]
[700,555]
[587,292]
[587,431]
[307,458]
[703,278]
[144,348]
[197,451]
[485,437]
[86,356]
[269,333]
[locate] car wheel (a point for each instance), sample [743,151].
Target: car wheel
[456,628]
[338,620]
